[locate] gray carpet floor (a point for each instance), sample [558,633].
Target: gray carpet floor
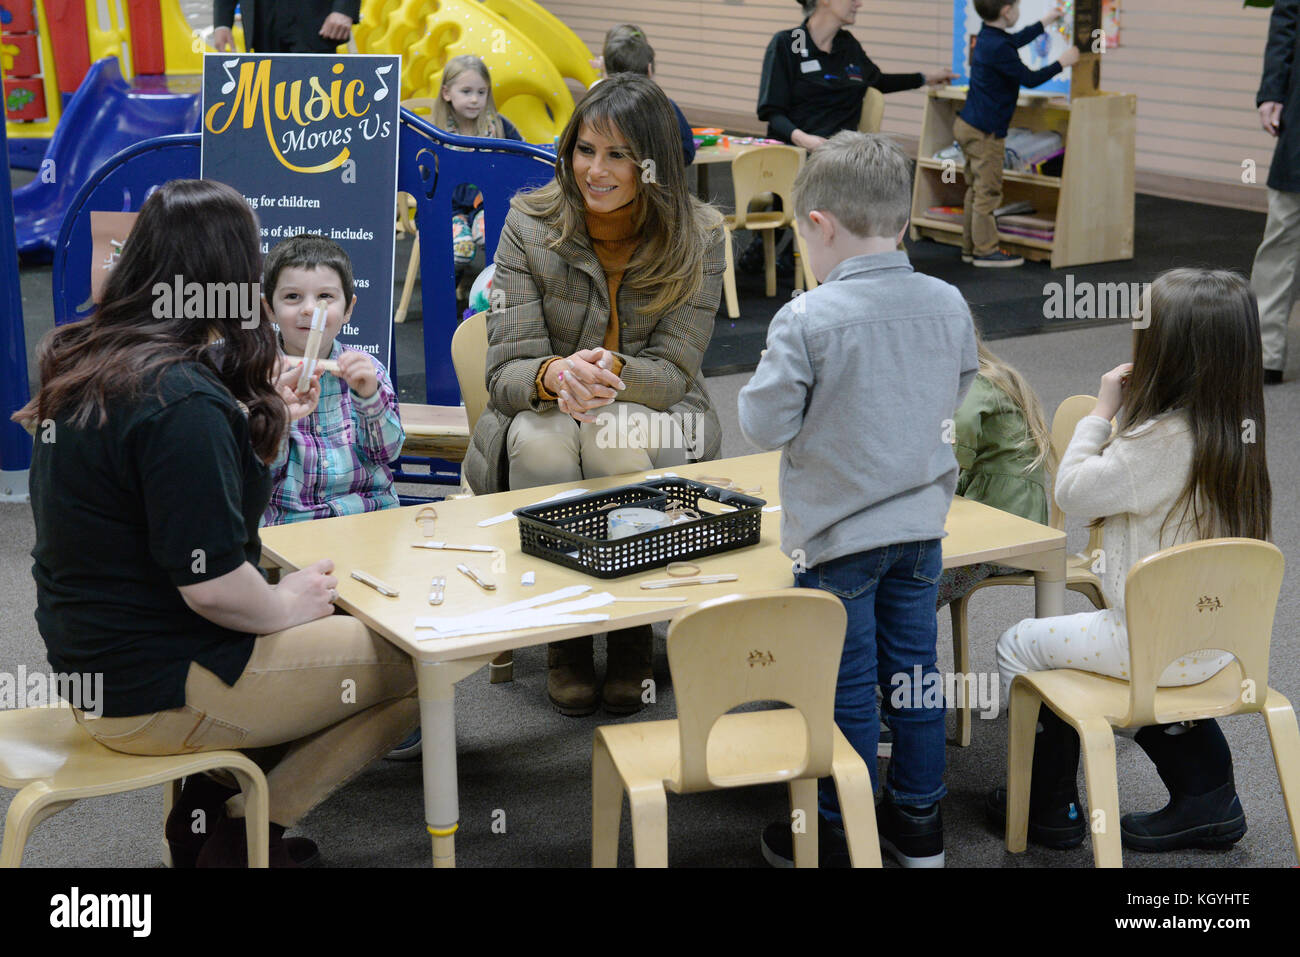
[519,758]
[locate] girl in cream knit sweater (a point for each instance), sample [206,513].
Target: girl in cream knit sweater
[1185,462]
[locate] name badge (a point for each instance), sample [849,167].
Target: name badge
[810,66]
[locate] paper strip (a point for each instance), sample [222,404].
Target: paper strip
[506,516]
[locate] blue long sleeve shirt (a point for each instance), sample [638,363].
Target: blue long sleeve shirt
[996,75]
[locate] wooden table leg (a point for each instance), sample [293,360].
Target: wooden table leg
[702,180]
[1049,585]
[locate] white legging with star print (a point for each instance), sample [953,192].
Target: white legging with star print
[1095,641]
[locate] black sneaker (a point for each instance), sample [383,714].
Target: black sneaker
[1213,821]
[1272,377]
[778,845]
[914,836]
[1060,829]
[998,259]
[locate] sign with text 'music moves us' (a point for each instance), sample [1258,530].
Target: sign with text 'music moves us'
[310,140]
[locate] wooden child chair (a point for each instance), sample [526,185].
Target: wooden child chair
[1078,575]
[772,646]
[770,170]
[53,763]
[1220,594]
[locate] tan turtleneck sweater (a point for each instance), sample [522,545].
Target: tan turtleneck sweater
[614,239]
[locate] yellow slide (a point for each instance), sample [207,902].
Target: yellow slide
[528,51]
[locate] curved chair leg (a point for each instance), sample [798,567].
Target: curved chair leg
[729,278]
[857,808]
[1022,721]
[257,815]
[1098,744]
[1284,736]
[412,271]
[649,826]
[769,261]
[30,806]
[502,668]
[961,664]
[606,805]
[1089,591]
[803,797]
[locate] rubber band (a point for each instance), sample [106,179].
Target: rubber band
[442,831]
[681,569]
[427,518]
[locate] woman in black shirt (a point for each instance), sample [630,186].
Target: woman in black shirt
[815,76]
[147,482]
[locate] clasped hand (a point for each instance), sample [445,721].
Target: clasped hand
[583,381]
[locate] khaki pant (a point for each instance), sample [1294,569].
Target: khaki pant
[334,695]
[984,157]
[1273,277]
[547,448]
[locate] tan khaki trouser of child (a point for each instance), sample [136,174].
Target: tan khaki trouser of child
[984,157]
[333,693]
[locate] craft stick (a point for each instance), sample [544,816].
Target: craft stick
[380,586]
[474,576]
[448,546]
[682,582]
[312,350]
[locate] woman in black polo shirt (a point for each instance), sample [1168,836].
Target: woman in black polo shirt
[815,76]
[148,478]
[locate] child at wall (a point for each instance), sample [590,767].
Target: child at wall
[465,106]
[1178,467]
[333,461]
[860,377]
[996,75]
[628,51]
[1004,448]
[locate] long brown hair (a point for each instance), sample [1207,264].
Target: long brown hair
[1004,377]
[202,232]
[676,228]
[1201,353]
[488,122]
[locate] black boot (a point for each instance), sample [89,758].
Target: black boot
[1056,817]
[1203,809]
[628,668]
[186,830]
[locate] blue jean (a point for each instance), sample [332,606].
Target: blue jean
[889,594]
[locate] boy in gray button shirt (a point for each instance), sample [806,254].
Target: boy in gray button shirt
[858,388]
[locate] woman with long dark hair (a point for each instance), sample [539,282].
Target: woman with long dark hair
[155,419]
[609,278]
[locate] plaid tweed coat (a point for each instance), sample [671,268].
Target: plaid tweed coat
[553,302]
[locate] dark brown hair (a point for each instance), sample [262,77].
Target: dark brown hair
[677,229]
[202,232]
[307,251]
[1201,354]
[989,10]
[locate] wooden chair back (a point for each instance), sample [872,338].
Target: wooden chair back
[765,169]
[873,111]
[1220,593]
[469,346]
[770,646]
[1067,417]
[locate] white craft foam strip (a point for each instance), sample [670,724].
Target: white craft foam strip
[510,623]
[506,516]
[459,621]
[528,578]
[771,508]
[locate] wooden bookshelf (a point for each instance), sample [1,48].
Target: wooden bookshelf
[1091,202]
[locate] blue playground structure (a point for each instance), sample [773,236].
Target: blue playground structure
[105,116]
[15,444]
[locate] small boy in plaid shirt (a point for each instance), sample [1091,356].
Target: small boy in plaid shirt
[333,461]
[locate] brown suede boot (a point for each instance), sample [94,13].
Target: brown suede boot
[628,668]
[571,676]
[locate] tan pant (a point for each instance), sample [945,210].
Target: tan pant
[984,157]
[334,694]
[546,448]
[1273,277]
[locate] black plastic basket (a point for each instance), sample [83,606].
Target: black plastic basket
[574,532]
